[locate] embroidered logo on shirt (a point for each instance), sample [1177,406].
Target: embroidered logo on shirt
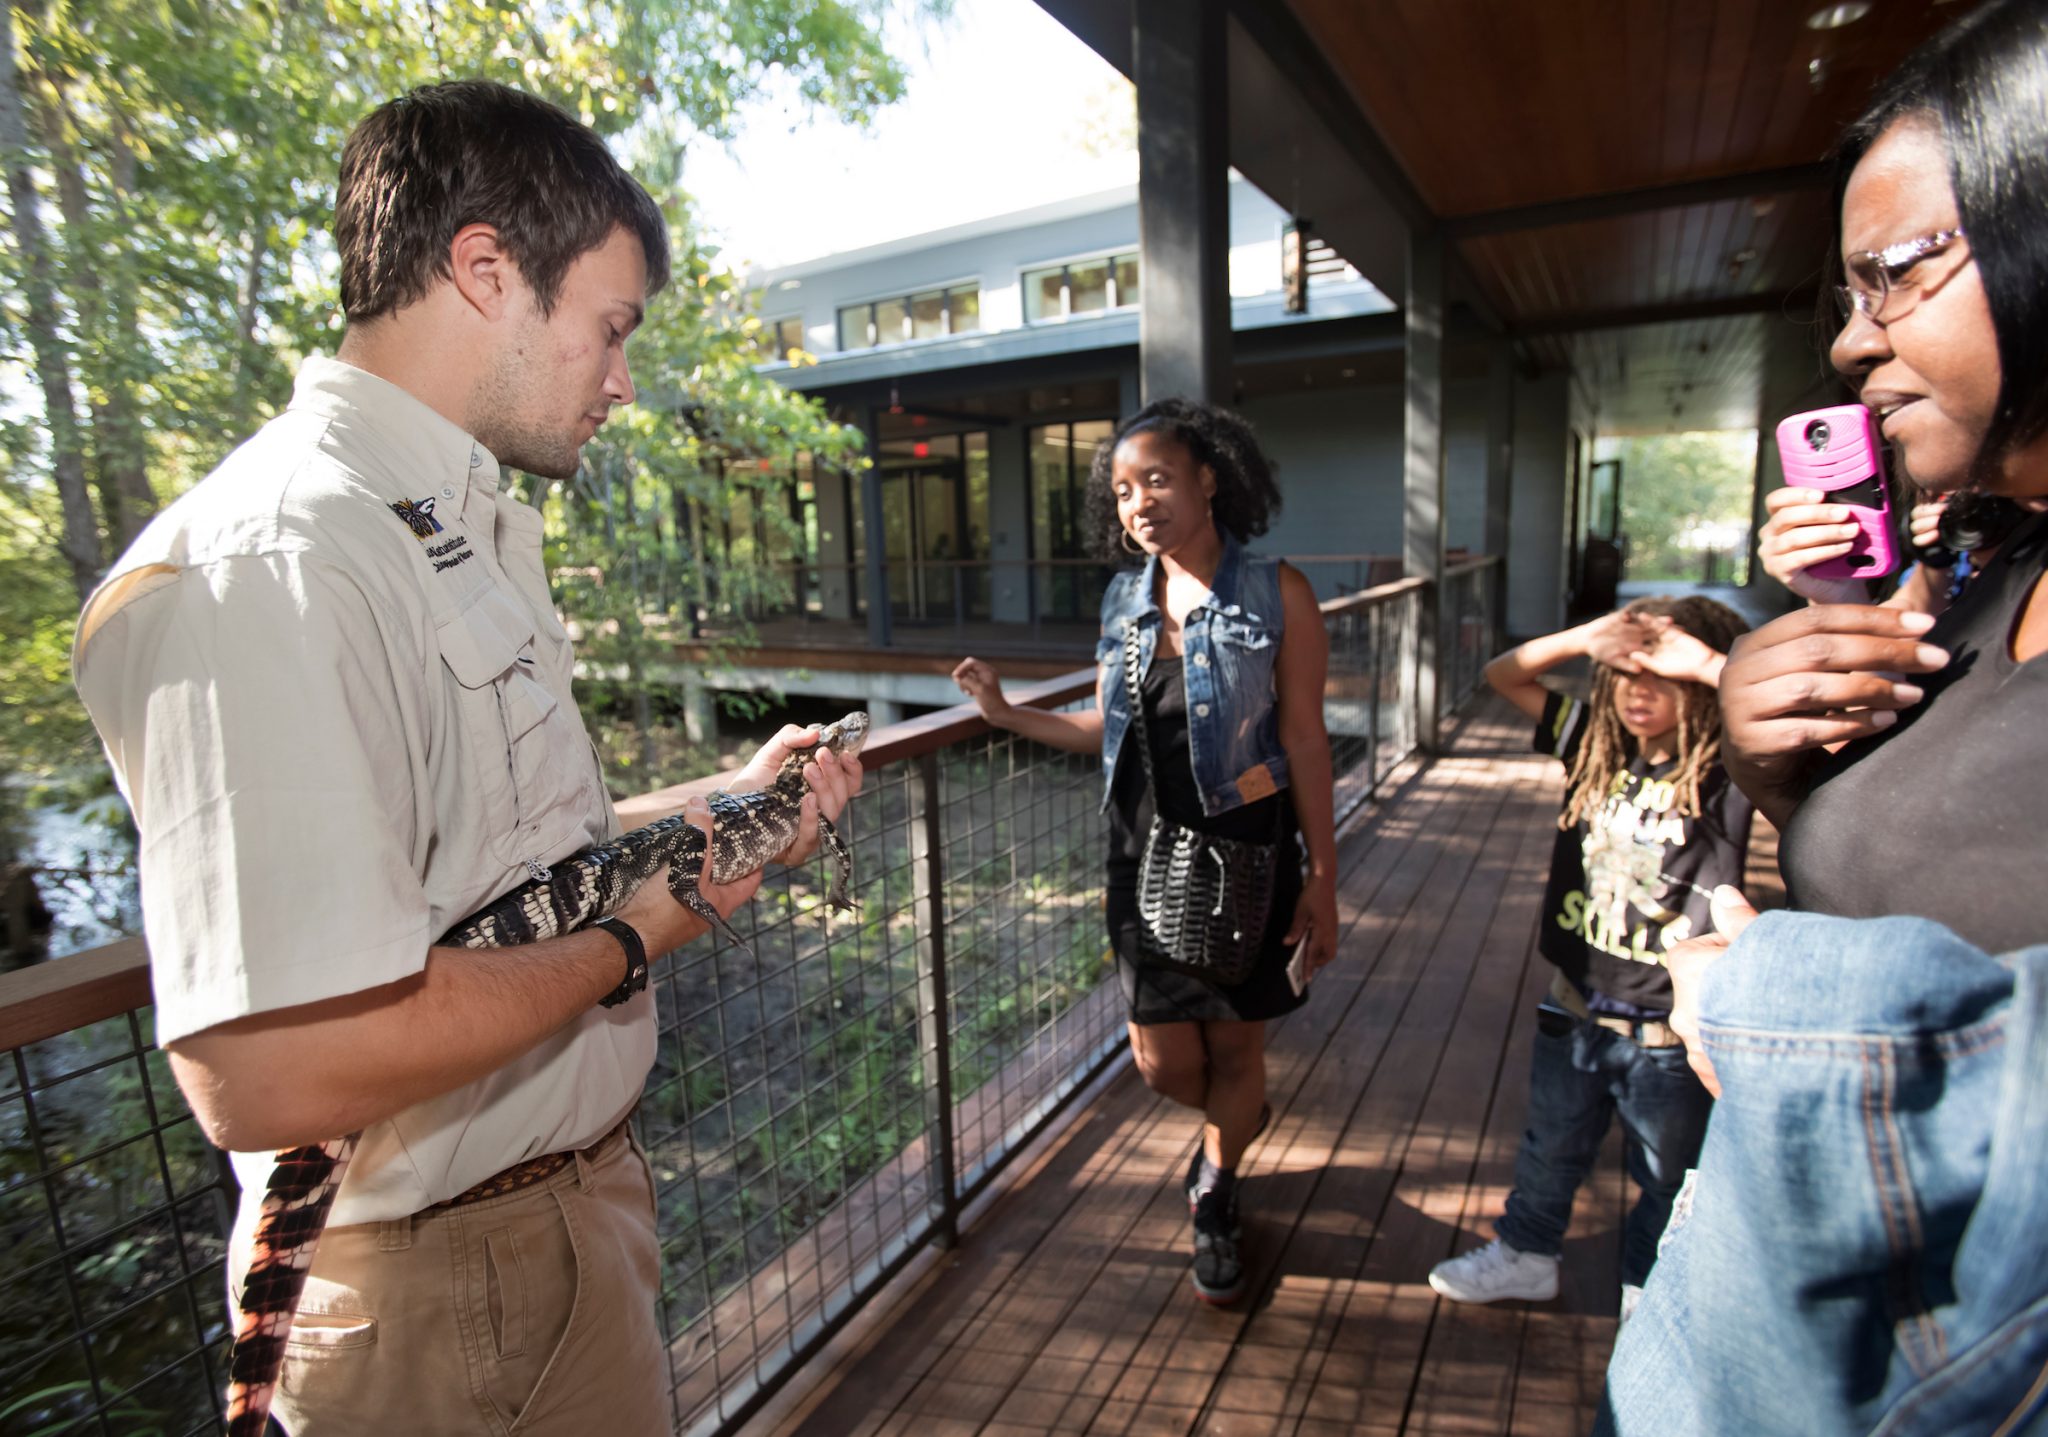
[418,515]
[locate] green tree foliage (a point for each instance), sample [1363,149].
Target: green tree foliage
[170,169]
[1683,495]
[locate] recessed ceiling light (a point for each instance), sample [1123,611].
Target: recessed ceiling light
[1834,17]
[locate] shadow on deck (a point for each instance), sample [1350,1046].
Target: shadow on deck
[1398,1097]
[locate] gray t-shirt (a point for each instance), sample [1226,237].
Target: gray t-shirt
[1945,815]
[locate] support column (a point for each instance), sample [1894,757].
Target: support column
[1500,468]
[880,628]
[1423,464]
[1009,517]
[1183,199]
[835,545]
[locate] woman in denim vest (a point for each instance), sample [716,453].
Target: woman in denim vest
[1231,651]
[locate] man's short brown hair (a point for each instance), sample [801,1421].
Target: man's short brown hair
[421,167]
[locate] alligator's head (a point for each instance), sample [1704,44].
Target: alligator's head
[845,736]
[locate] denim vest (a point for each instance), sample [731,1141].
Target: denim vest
[1231,640]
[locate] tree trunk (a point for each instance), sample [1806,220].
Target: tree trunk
[118,440]
[245,313]
[81,539]
[105,309]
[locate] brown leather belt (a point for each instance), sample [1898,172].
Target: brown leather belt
[528,1173]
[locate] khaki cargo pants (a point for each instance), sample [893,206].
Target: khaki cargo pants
[532,1313]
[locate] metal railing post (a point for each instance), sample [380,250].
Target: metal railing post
[1375,636]
[934,1014]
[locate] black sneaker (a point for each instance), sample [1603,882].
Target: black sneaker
[1195,1162]
[1218,1271]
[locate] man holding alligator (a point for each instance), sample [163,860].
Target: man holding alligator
[334,690]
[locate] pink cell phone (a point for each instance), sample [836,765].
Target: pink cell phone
[1837,450]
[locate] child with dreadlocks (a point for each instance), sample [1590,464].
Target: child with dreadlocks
[1651,825]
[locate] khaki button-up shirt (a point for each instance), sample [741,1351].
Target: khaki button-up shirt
[335,693]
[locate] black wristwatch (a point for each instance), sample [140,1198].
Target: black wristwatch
[636,962]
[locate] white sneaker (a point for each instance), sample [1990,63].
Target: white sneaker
[1496,1271]
[1631,1294]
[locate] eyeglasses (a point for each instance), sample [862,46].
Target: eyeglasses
[1876,276]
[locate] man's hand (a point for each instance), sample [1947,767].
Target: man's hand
[1817,677]
[664,924]
[1687,964]
[833,779]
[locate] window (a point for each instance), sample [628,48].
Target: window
[1067,585]
[928,314]
[778,337]
[1093,286]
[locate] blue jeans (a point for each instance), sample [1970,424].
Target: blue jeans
[1580,1077]
[1865,1249]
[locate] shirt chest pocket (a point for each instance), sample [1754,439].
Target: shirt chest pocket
[1245,649]
[522,750]
[1243,635]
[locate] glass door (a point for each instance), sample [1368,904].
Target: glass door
[935,527]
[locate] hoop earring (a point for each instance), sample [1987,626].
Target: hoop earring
[1128,545]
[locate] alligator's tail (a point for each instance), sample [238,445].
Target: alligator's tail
[295,1207]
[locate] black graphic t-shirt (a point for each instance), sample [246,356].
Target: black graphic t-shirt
[1638,876]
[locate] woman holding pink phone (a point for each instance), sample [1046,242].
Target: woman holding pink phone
[1900,753]
[1851,1254]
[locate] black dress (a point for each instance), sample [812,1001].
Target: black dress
[1169,995]
[1940,816]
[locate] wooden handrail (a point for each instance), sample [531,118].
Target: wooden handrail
[1366,598]
[1470,566]
[45,999]
[896,743]
[858,565]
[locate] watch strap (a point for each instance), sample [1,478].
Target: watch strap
[636,962]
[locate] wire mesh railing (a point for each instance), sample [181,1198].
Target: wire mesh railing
[822,1105]
[114,1213]
[1467,637]
[823,1101]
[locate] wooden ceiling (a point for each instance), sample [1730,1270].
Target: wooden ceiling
[1605,165]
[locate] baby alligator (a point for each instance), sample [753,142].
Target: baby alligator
[748,830]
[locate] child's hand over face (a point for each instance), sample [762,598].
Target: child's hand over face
[1613,639]
[1672,653]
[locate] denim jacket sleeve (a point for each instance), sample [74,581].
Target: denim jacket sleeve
[1866,1243]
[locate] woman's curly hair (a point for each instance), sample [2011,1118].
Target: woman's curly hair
[1246,499]
[1607,747]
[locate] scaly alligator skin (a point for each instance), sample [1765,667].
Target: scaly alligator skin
[748,830]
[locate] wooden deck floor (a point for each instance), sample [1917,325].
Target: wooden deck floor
[1398,1097]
